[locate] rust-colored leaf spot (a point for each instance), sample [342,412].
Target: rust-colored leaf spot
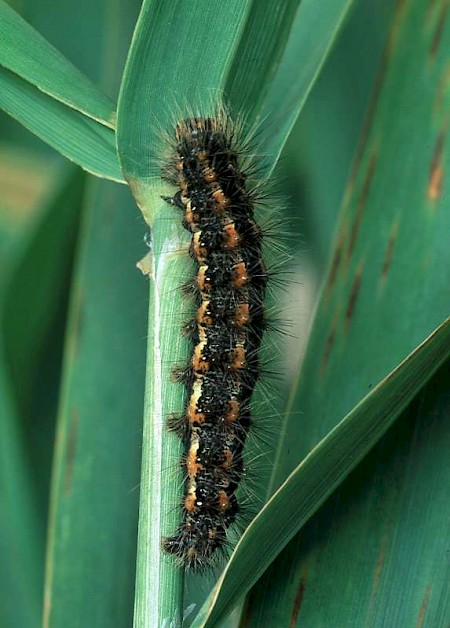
[389,252]
[71,447]
[378,85]
[298,602]
[362,203]
[442,90]
[335,263]
[437,35]
[423,607]
[436,170]
[356,285]
[329,343]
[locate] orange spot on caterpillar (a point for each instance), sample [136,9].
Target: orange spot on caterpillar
[200,363]
[203,315]
[192,466]
[199,251]
[233,411]
[239,360]
[242,316]
[220,198]
[232,237]
[229,459]
[240,276]
[190,502]
[209,174]
[203,281]
[224,502]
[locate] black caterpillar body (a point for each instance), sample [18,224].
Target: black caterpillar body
[218,206]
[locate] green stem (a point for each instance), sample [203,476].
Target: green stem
[159,581]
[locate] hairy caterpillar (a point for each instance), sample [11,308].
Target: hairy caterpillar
[209,167]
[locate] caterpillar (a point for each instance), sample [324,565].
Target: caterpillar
[210,167]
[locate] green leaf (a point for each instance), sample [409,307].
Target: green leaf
[28,308]
[95,488]
[30,301]
[178,60]
[321,472]
[82,140]
[279,59]
[20,532]
[26,53]
[323,143]
[91,549]
[386,288]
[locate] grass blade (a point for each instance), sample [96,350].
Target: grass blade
[80,139]
[302,42]
[29,304]
[26,53]
[385,289]
[93,521]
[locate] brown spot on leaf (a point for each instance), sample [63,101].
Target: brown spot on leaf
[442,90]
[335,263]
[437,35]
[377,574]
[379,566]
[389,252]
[436,170]
[378,85]
[354,291]
[329,343]
[423,607]
[362,204]
[71,447]
[298,601]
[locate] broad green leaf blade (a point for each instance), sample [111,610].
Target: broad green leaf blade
[30,300]
[301,46]
[91,549]
[82,140]
[386,287]
[95,489]
[33,316]
[375,549]
[323,143]
[20,533]
[321,472]
[178,62]
[29,305]
[26,53]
